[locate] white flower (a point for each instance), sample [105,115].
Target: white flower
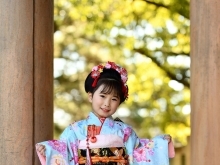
[58,159]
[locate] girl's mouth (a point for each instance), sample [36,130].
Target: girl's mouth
[105,110]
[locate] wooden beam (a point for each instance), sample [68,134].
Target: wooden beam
[205,82]
[43,71]
[26,77]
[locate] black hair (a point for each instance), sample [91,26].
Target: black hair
[111,80]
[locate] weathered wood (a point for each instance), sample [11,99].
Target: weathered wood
[205,81]
[16,89]
[43,71]
[26,83]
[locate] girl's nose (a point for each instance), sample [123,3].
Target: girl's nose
[107,103]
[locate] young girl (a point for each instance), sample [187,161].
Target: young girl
[99,139]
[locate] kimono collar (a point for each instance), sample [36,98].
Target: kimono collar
[93,119]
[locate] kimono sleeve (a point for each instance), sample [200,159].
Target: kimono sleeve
[152,151]
[62,151]
[131,141]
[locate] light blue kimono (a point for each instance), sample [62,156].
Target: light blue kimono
[140,151]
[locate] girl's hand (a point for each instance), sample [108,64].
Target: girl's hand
[167,137]
[41,149]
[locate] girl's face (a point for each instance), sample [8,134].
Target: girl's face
[103,104]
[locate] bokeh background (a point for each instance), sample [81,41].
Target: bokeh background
[150,38]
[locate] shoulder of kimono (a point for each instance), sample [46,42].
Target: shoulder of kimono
[77,123]
[122,124]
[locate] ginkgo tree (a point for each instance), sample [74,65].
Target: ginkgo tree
[149,38]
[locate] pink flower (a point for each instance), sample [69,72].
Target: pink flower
[75,151]
[95,68]
[107,65]
[124,78]
[95,74]
[73,147]
[140,154]
[127,133]
[58,145]
[111,123]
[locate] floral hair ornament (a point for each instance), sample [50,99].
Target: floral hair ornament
[97,70]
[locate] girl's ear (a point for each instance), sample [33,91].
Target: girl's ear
[90,96]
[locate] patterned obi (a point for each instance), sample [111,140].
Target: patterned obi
[104,156]
[103,149]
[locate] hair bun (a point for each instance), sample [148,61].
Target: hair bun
[109,70]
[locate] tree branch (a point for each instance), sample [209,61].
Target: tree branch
[176,9]
[167,71]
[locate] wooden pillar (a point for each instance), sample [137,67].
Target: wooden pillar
[205,82]
[26,78]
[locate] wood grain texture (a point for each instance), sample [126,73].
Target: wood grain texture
[26,78]
[43,73]
[205,81]
[16,73]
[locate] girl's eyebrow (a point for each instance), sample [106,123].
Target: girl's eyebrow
[116,96]
[105,93]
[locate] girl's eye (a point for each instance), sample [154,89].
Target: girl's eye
[115,99]
[102,96]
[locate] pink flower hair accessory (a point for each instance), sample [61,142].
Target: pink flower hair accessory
[97,70]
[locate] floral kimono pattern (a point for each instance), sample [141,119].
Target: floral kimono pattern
[115,143]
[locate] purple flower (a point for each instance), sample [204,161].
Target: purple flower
[58,145]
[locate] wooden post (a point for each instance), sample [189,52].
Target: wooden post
[26,78]
[205,82]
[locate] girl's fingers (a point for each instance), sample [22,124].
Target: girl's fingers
[168,138]
[41,149]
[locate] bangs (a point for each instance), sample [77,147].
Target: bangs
[111,86]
